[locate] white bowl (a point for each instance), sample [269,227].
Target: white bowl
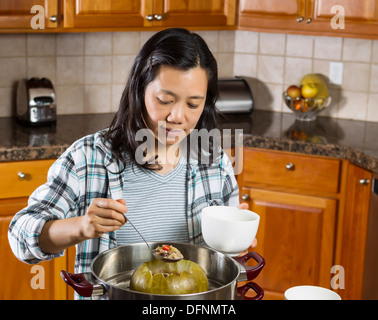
[310,293]
[229,229]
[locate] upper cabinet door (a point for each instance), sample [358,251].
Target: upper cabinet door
[348,18]
[29,14]
[345,17]
[271,14]
[102,14]
[194,13]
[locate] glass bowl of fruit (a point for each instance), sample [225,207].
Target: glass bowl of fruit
[307,99]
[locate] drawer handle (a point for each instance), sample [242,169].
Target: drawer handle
[289,166]
[21,175]
[245,197]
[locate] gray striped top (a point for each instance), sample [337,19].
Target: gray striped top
[156,205]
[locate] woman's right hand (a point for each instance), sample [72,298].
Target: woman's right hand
[103,215]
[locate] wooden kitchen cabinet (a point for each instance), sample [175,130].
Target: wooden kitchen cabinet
[295,196]
[148,13]
[310,17]
[16,14]
[20,280]
[313,215]
[98,15]
[353,229]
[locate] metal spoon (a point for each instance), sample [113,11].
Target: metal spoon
[153,252]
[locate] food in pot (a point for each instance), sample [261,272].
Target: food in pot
[159,277]
[167,251]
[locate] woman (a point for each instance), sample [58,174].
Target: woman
[162,188]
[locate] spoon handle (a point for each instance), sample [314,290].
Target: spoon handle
[138,232]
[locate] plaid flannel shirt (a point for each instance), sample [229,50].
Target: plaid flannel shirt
[86,170]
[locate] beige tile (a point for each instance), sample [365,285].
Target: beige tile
[12,45]
[372,109]
[270,69]
[353,106]
[225,64]
[12,70]
[356,76]
[299,46]
[211,38]
[375,51]
[328,48]
[41,45]
[117,90]
[295,69]
[98,43]
[70,99]
[97,98]
[272,43]
[374,78]
[126,43]
[98,69]
[245,65]
[322,67]
[70,44]
[268,97]
[42,67]
[246,42]
[358,50]
[70,70]
[121,68]
[226,41]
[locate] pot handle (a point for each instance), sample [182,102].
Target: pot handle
[80,284]
[252,272]
[255,287]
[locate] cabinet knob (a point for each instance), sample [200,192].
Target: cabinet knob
[289,166]
[364,182]
[150,17]
[300,19]
[53,18]
[308,20]
[158,17]
[21,175]
[245,197]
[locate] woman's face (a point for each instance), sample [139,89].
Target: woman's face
[174,102]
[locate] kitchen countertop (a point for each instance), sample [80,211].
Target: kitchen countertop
[356,141]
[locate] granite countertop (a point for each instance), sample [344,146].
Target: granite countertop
[345,139]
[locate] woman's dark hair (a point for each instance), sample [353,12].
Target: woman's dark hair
[173,47]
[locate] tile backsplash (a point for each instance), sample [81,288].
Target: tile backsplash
[89,70]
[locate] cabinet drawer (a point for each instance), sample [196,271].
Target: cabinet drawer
[290,170]
[21,178]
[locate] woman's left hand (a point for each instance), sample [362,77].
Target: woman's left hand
[245,206]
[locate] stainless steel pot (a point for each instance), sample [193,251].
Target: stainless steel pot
[111,272]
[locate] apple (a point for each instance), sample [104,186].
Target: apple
[294,92]
[309,90]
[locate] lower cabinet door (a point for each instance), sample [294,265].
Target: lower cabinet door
[21,281]
[296,238]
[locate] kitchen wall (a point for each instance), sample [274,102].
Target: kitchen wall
[89,70]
